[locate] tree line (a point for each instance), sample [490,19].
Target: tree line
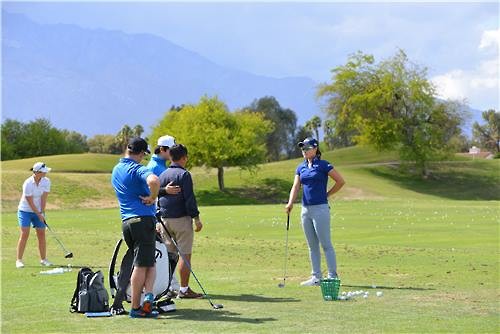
[39,138]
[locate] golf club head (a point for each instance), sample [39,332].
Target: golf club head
[68,256]
[281,285]
[217,306]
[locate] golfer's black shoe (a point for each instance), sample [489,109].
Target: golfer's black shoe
[118,310]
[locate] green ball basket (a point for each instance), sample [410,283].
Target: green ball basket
[330,288]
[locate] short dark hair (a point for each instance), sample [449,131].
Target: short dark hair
[178,151]
[158,149]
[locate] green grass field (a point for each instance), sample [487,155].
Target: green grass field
[431,246]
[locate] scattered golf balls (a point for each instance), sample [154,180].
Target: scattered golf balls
[380,293]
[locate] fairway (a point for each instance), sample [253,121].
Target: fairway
[435,260]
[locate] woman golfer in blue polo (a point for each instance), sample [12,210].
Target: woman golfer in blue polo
[313,175]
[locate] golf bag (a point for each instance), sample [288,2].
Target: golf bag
[119,282]
[90,294]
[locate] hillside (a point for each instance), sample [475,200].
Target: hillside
[82,180]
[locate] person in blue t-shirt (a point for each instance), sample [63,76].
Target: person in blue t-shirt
[313,175]
[158,164]
[137,188]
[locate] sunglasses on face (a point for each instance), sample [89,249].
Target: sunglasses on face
[305,149]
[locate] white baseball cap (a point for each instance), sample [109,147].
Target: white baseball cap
[167,140]
[40,167]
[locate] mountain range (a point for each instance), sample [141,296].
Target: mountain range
[94,81]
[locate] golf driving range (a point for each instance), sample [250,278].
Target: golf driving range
[429,246]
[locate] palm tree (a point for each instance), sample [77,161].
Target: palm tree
[123,136]
[138,130]
[314,124]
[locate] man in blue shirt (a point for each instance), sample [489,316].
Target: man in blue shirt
[158,164]
[137,188]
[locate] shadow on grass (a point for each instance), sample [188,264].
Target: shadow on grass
[267,191]
[382,287]
[254,298]
[458,181]
[212,315]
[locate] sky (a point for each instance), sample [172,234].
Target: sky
[457,41]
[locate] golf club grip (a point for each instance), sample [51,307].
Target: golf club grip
[288,222]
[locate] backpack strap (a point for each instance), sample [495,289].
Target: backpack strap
[112,283]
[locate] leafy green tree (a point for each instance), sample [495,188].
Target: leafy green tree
[103,144]
[279,142]
[43,138]
[392,105]
[488,134]
[215,137]
[75,142]
[13,137]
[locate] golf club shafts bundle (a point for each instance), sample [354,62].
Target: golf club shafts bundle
[215,306]
[67,254]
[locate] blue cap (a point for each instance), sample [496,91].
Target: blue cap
[308,142]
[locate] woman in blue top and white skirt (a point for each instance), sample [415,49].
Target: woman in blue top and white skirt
[313,175]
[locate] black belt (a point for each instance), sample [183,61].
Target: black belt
[137,219]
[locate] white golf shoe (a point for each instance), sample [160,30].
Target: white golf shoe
[313,281]
[45,263]
[19,264]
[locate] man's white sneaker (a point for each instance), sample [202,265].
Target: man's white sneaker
[19,264]
[313,281]
[45,263]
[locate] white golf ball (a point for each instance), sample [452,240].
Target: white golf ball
[365,296]
[379,293]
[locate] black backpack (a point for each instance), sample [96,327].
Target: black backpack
[90,294]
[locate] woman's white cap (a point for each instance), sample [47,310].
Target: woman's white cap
[40,167]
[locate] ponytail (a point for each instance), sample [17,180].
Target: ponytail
[318,153]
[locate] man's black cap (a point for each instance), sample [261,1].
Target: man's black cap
[138,145]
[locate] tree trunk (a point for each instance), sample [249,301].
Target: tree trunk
[220,177]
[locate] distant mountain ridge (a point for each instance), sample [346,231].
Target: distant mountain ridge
[94,81]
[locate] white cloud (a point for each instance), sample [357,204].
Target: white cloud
[480,85]
[490,38]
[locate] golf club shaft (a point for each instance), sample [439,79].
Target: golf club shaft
[187,263]
[286,246]
[57,239]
